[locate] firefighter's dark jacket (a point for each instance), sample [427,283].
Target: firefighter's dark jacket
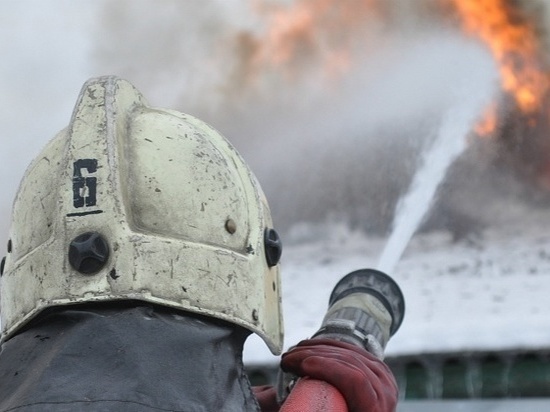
[125,358]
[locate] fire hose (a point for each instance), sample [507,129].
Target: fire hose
[366,307]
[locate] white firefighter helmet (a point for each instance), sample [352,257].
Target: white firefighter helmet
[133,202]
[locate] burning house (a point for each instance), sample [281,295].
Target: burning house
[510,138]
[320,50]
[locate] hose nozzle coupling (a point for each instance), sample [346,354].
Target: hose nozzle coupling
[366,308]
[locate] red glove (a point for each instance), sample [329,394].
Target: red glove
[366,382]
[267,398]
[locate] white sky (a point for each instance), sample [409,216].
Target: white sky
[44,46]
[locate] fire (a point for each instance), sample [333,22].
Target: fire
[312,41]
[304,37]
[307,34]
[489,121]
[512,39]
[290,34]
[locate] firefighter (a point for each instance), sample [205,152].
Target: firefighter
[141,256]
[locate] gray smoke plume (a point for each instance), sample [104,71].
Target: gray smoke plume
[324,146]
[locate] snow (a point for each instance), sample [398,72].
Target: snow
[476,294]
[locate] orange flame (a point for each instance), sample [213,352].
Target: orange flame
[304,36]
[308,33]
[512,38]
[489,121]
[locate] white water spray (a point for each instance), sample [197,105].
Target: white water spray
[449,143]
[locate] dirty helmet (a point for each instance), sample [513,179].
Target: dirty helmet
[132,202]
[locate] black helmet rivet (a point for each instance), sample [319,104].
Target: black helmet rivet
[273,247]
[88,253]
[230,226]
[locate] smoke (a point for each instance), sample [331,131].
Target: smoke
[332,118]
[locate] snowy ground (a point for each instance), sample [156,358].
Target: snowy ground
[490,293]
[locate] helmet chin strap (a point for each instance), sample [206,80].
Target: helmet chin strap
[126,357]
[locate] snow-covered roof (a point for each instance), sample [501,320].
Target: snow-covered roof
[486,293]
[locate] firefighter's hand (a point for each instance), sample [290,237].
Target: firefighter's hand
[366,383]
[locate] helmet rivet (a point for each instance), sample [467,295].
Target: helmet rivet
[230,226]
[88,253]
[273,247]
[9,246]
